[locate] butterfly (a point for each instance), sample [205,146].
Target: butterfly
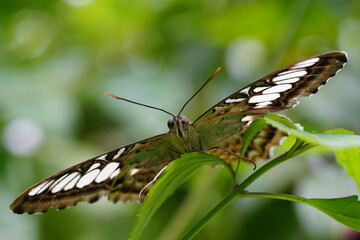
[123,173]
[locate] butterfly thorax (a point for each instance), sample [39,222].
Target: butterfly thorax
[184,132]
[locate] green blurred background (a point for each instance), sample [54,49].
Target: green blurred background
[58,57]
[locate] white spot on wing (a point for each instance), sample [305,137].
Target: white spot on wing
[276,89]
[296,103]
[264,98]
[119,153]
[262,104]
[58,180]
[271,151]
[102,157]
[249,119]
[45,187]
[95,165]
[107,171]
[87,178]
[114,174]
[36,189]
[134,171]
[259,89]
[287,72]
[63,182]
[71,184]
[337,71]
[246,91]
[290,75]
[306,63]
[291,80]
[229,100]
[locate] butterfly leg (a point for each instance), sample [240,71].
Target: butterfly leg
[140,197]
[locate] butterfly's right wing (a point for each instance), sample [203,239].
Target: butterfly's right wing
[120,174]
[224,124]
[279,90]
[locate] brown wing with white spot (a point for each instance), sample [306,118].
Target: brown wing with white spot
[279,90]
[228,132]
[223,125]
[120,173]
[260,147]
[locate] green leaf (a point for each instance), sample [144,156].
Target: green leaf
[334,141]
[284,120]
[250,133]
[339,131]
[345,143]
[240,188]
[349,158]
[345,210]
[257,125]
[177,172]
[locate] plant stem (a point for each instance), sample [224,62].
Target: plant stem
[268,166]
[226,201]
[275,196]
[240,188]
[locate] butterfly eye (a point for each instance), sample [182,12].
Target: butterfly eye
[170,123]
[184,120]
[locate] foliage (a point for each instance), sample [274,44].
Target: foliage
[345,210]
[58,57]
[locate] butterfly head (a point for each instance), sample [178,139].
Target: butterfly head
[179,124]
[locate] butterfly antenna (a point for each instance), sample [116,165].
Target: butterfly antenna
[211,77]
[141,104]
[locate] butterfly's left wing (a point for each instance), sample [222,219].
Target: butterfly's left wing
[119,174]
[223,125]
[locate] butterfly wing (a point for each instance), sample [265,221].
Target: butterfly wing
[123,172]
[229,134]
[120,174]
[223,125]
